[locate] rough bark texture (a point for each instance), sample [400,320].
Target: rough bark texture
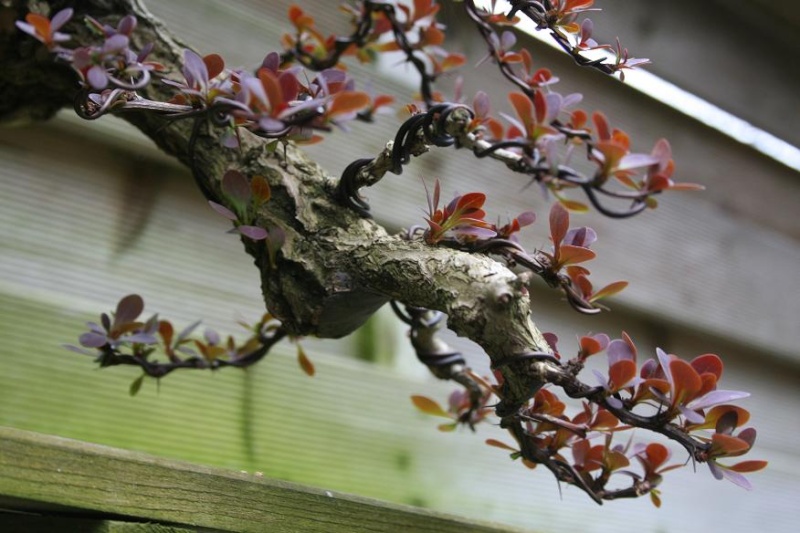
[335,268]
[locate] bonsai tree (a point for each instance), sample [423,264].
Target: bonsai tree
[326,265]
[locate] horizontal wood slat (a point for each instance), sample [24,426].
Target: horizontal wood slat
[43,470]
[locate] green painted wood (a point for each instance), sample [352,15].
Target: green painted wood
[49,470]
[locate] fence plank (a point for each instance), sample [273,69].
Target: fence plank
[28,523]
[46,470]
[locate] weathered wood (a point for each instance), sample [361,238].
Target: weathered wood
[96,480]
[33,523]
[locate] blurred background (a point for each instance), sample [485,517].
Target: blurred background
[91,212]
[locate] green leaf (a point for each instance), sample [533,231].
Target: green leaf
[136,385]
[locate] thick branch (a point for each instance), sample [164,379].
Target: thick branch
[335,268]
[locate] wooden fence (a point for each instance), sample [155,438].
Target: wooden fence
[50,483]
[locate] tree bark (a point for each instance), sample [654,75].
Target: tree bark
[335,268]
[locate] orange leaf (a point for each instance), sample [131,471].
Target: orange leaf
[524,108]
[578,118]
[299,18]
[605,420]
[716,412]
[572,27]
[432,36]
[305,362]
[589,345]
[41,23]
[570,255]
[348,102]
[574,205]
[453,61]
[428,406]
[501,445]
[382,100]
[295,12]
[601,124]
[609,290]
[512,57]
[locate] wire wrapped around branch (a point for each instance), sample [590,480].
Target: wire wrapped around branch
[447,125]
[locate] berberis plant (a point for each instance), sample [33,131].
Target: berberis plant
[326,265]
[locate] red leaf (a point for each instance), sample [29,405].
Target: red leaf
[166,331]
[685,379]
[348,102]
[290,87]
[471,200]
[621,373]
[299,18]
[656,454]
[260,189]
[524,108]
[540,105]
[559,223]
[214,64]
[589,346]
[748,466]
[576,4]
[273,90]
[708,362]
[722,445]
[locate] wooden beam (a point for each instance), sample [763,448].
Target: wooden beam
[43,471]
